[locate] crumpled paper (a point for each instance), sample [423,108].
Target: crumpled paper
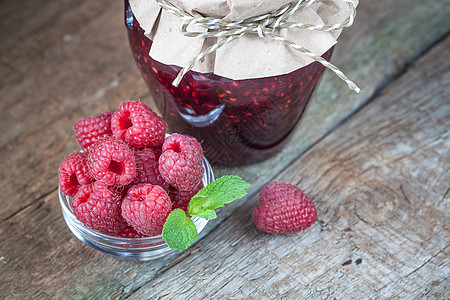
[249,56]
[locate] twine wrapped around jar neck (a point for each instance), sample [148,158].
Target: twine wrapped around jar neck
[264,25]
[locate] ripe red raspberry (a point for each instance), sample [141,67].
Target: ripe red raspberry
[90,130]
[146,208]
[73,173]
[112,162]
[138,126]
[99,207]
[181,199]
[130,233]
[283,208]
[147,167]
[181,163]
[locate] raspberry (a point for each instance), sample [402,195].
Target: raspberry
[99,207]
[73,173]
[146,208]
[138,126]
[283,208]
[89,130]
[112,162]
[130,233]
[147,170]
[181,199]
[181,163]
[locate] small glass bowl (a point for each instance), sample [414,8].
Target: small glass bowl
[142,249]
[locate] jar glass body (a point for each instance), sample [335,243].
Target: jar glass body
[238,121]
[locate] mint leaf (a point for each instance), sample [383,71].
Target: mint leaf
[207,214]
[179,230]
[222,191]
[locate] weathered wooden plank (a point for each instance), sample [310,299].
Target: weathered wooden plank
[76,63]
[40,258]
[380,183]
[386,37]
[75,66]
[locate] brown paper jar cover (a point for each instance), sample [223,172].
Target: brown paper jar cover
[249,56]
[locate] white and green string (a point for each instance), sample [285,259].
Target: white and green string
[264,25]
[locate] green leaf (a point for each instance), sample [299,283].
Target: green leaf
[207,214]
[179,230]
[222,191]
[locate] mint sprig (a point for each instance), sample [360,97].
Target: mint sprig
[179,230]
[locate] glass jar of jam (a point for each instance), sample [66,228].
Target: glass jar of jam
[237,121]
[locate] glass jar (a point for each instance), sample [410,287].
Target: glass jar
[238,121]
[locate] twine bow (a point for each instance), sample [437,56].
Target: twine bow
[264,25]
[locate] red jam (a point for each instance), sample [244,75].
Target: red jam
[237,121]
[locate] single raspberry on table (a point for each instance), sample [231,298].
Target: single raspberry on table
[90,130]
[112,162]
[283,207]
[146,208]
[99,207]
[138,126]
[181,161]
[147,167]
[74,173]
[181,199]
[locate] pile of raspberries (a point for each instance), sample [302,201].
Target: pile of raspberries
[129,176]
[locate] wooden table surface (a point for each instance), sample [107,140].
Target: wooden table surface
[376,165]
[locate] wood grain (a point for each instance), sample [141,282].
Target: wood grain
[61,73]
[61,61]
[380,183]
[386,37]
